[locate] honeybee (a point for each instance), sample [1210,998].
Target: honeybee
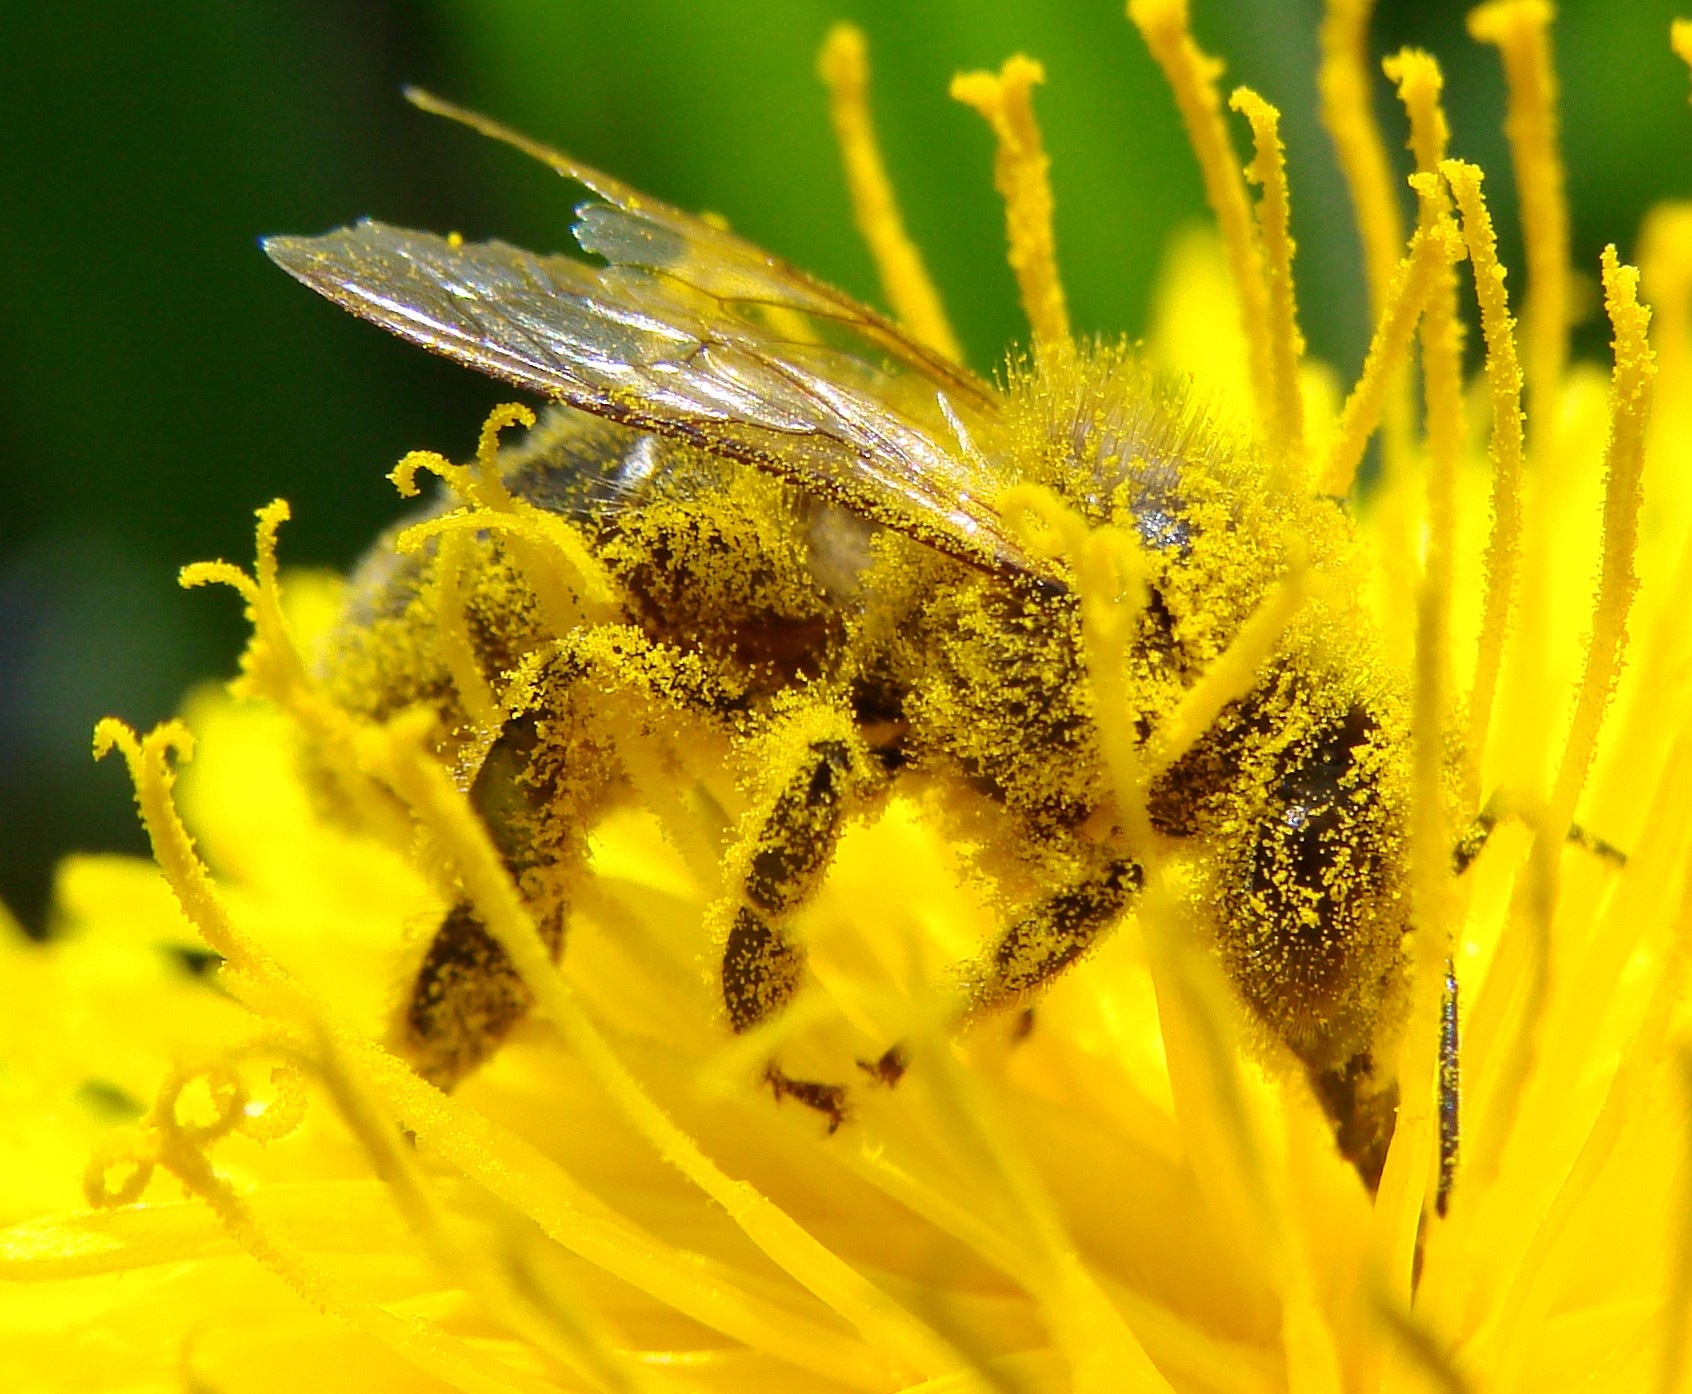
[798,510]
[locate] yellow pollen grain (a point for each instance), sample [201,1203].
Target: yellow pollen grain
[843,66]
[149,760]
[271,667]
[1192,76]
[1534,903]
[1268,170]
[1630,405]
[1521,31]
[1504,381]
[1417,75]
[1195,1009]
[1419,85]
[1389,347]
[1110,570]
[1021,174]
[506,1166]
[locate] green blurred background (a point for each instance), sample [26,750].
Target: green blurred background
[160,379]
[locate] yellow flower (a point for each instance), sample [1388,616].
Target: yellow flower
[218,1178]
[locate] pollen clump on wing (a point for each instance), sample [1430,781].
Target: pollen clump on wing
[805,869]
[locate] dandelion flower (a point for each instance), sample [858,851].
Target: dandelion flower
[221,1176]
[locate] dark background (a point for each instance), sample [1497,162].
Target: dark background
[159,379]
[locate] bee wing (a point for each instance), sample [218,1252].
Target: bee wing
[634,229]
[692,333]
[666,357]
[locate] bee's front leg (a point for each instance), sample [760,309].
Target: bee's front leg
[1036,949]
[789,852]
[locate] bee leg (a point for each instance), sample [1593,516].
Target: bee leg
[466,998]
[1468,847]
[762,964]
[1449,1093]
[1363,1111]
[1033,951]
[1499,807]
[467,995]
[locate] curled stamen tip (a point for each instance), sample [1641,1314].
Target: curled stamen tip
[403,476]
[111,733]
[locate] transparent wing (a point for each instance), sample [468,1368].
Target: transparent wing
[634,229]
[694,334]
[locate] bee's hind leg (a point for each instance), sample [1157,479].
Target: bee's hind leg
[540,787]
[791,849]
[467,995]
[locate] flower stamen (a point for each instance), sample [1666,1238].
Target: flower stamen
[564,575]
[508,1167]
[421,1342]
[1191,74]
[843,66]
[1268,170]
[1389,347]
[1631,385]
[1399,1205]
[1349,114]
[1504,378]
[1521,966]
[1521,31]
[1233,672]
[271,667]
[1021,173]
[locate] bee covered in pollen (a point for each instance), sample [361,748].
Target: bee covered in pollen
[811,545]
